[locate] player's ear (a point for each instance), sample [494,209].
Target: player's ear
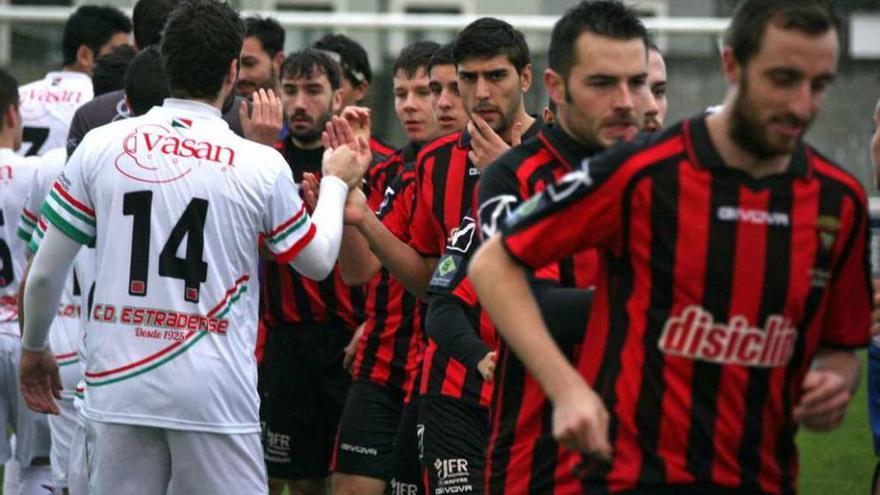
[525,78]
[555,85]
[336,101]
[360,91]
[730,66]
[232,73]
[85,58]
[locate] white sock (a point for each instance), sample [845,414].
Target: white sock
[10,476]
[35,480]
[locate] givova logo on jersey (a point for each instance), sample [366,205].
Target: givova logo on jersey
[695,334]
[155,154]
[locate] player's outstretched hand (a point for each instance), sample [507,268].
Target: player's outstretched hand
[360,121]
[826,396]
[580,421]
[486,366]
[263,123]
[39,381]
[345,156]
[486,144]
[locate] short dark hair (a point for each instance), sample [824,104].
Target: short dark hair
[751,17]
[302,63]
[92,26]
[607,18]
[488,37]
[149,17]
[268,31]
[146,83]
[109,72]
[443,56]
[353,58]
[413,57]
[8,94]
[201,40]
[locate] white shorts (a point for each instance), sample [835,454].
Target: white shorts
[78,466]
[63,426]
[174,462]
[31,428]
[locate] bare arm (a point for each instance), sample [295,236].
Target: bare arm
[580,420]
[828,389]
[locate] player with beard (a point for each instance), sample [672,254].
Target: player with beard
[367,455]
[603,43]
[711,336]
[261,56]
[655,113]
[356,78]
[48,105]
[307,323]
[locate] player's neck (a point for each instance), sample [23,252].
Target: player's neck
[306,145]
[7,141]
[76,68]
[520,117]
[734,155]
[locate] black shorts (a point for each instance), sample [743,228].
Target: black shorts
[454,437]
[303,387]
[407,476]
[365,442]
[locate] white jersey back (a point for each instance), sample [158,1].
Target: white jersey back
[16,175]
[47,107]
[175,203]
[65,335]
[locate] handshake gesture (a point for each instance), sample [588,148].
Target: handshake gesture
[346,155]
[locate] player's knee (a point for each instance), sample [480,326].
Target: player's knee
[307,487]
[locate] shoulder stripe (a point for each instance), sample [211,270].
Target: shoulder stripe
[73,201]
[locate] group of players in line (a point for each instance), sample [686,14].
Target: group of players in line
[651,311]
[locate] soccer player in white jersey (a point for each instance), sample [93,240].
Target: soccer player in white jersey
[48,105]
[175,204]
[16,175]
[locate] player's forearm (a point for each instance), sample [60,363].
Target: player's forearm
[45,283]
[408,267]
[843,362]
[449,326]
[318,258]
[357,263]
[504,292]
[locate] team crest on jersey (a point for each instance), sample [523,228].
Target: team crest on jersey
[695,334]
[153,153]
[827,226]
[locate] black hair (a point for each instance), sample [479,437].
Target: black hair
[607,18]
[109,72]
[8,94]
[92,26]
[413,57]
[146,83]
[149,17]
[488,37]
[268,31]
[303,63]
[751,17]
[352,59]
[201,40]
[442,56]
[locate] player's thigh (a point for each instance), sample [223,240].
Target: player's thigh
[407,476]
[353,484]
[8,394]
[365,442]
[454,436]
[216,463]
[116,467]
[62,427]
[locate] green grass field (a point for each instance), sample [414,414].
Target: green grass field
[838,463]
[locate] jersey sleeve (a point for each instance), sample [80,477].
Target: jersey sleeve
[582,210]
[30,214]
[68,205]
[847,320]
[286,223]
[395,211]
[426,236]
[498,194]
[451,270]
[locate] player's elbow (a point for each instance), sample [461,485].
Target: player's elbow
[485,261]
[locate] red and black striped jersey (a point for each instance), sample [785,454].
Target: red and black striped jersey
[445,184]
[390,345]
[381,150]
[290,298]
[521,437]
[715,291]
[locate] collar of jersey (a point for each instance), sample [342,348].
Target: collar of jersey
[67,74]
[565,147]
[191,107]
